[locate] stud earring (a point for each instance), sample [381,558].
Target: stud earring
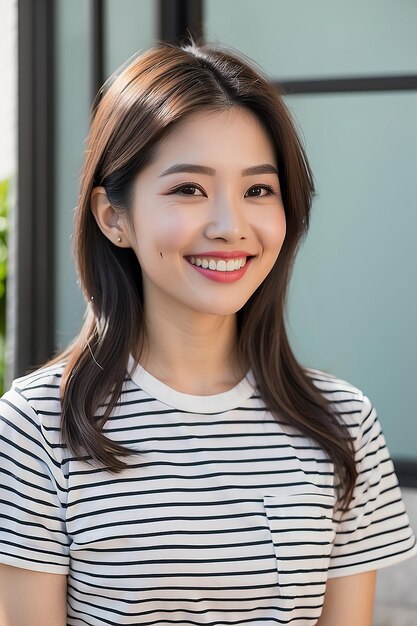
[119,239]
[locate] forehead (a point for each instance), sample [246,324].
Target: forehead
[235,135]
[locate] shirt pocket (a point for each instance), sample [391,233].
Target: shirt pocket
[301,527]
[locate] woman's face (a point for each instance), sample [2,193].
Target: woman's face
[209,205]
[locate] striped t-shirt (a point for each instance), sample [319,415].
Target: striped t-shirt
[226,516]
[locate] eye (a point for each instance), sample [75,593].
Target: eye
[187,189]
[268,188]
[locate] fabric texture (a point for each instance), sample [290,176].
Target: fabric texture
[224,516]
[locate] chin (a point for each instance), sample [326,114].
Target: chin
[220,310]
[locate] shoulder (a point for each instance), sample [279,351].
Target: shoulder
[41,388]
[31,408]
[333,385]
[40,380]
[355,409]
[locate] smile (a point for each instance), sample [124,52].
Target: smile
[230,265]
[221,271]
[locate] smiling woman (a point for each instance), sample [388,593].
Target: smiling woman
[176,463]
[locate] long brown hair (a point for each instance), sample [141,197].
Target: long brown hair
[160,87]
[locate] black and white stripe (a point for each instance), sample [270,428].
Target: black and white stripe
[224,516]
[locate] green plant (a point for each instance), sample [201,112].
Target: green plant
[4,213]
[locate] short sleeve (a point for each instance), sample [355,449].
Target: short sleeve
[32,491]
[375,531]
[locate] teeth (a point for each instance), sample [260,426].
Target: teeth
[220,266]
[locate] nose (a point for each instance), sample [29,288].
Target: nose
[227,220]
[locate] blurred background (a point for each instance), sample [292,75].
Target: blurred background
[349,72]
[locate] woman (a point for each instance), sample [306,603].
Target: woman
[176,464]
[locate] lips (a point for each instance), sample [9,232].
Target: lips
[224,277]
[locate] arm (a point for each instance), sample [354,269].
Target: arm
[29,597]
[349,600]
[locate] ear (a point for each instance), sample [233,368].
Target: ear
[110,221]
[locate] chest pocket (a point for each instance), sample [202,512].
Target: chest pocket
[302,533]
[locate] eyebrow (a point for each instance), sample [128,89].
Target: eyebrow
[265,168]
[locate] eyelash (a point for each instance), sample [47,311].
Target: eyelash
[271,190]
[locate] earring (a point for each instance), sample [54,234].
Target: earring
[119,239]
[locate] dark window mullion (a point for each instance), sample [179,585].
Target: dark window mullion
[356,84]
[32,285]
[177,17]
[406,470]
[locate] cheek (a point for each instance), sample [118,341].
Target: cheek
[272,229]
[173,235]
[174,231]
[165,233]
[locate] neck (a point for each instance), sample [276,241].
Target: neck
[197,356]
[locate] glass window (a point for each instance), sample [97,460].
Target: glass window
[353,288]
[129,25]
[305,39]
